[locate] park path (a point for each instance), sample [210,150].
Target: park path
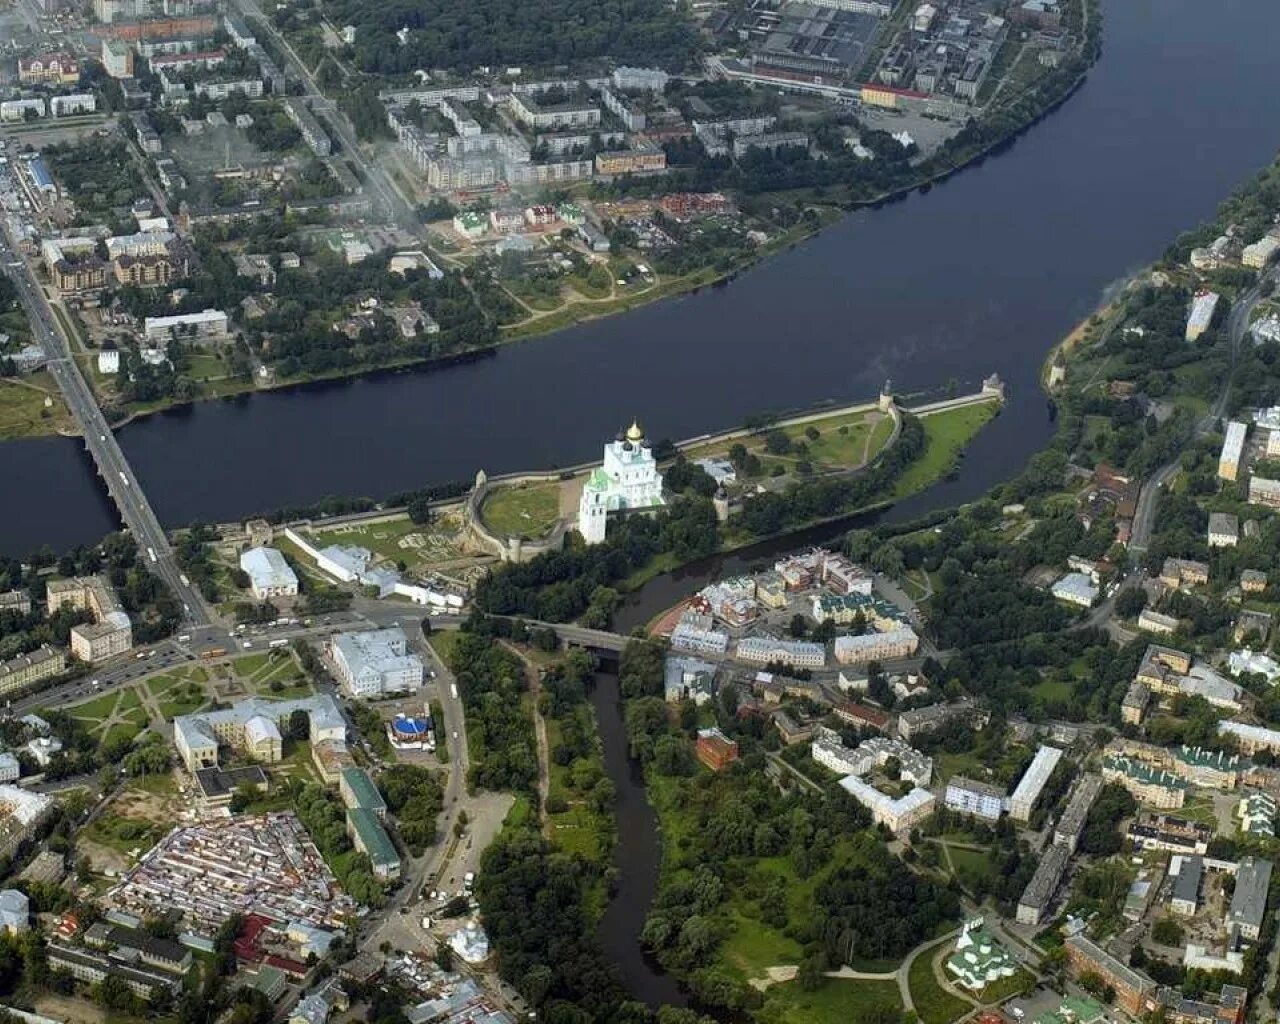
[534,677]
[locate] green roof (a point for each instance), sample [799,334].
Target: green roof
[1074,1010]
[363,790]
[373,837]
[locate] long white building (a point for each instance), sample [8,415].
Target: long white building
[269,574]
[1032,783]
[1232,450]
[1201,314]
[208,324]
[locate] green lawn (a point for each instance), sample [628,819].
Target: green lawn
[95,710]
[443,642]
[947,434]
[933,1003]
[752,946]
[972,862]
[946,765]
[838,1001]
[529,510]
[396,538]
[22,408]
[1007,988]
[1052,690]
[578,829]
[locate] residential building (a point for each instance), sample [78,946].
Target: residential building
[921,721]
[1076,588]
[1067,832]
[644,160]
[135,945]
[1252,623]
[1224,530]
[856,604]
[1252,581]
[969,796]
[1134,706]
[1133,989]
[15,601]
[1170,834]
[316,138]
[689,679]
[1254,663]
[1258,255]
[899,814]
[15,912]
[528,111]
[1232,450]
[1188,874]
[17,110]
[93,968]
[1201,314]
[1157,622]
[1249,900]
[1264,492]
[890,646]
[1257,813]
[207,325]
[49,69]
[627,479]
[686,637]
[269,573]
[765,650]
[715,750]
[1153,786]
[375,663]
[1032,783]
[862,716]
[70,104]
[10,769]
[1183,572]
[110,634]
[27,669]
[1040,891]
[252,727]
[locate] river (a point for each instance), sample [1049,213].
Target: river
[980,274]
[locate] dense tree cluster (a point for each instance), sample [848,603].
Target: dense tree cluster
[501,33]
[414,796]
[321,812]
[491,681]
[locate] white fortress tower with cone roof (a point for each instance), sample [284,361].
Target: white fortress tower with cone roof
[628,479]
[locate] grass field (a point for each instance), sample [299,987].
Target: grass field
[179,692]
[752,947]
[272,674]
[393,538]
[839,1001]
[933,1003]
[22,409]
[530,510]
[947,434]
[579,828]
[972,862]
[1006,988]
[845,441]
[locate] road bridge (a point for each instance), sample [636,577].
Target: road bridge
[135,511]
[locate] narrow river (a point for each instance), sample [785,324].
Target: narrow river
[981,274]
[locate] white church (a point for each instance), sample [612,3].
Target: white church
[629,479]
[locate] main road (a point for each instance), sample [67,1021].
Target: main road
[1237,326]
[135,510]
[393,203]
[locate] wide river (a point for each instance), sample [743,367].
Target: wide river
[981,274]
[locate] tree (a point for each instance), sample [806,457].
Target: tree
[1130,602]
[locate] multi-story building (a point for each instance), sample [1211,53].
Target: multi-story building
[316,138]
[1067,832]
[699,640]
[859,650]
[357,789]
[1153,786]
[1249,900]
[370,838]
[253,727]
[1183,572]
[1134,706]
[269,573]
[149,271]
[1032,783]
[22,109]
[1170,834]
[49,69]
[1201,314]
[921,721]
[1157,622]
[26,669]
[573,114]
[93,968]
[1232,450]
[1252,738]
[1188,873]
[1038,895]
[1264,492]
[765,650]
[714,749]
[970,796]
[1224,530]
[645,160]
[375,663]
[206,325]
[82,276]
[15,601]
[73,103]
[1134,991]
[110,634]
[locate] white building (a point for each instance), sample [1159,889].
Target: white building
[687,637]
[208,324]
[109,361]
[10,769]
[970,796]
[628,479]
[764,650]
[1076,588]
[16,110]
[74,103]
[899,814]
[1259,254]
[375,663]
[1032,783]
[1232,450]
[1255,663]
[15,912]
[269,573]
[1201,314]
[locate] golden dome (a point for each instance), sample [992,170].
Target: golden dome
[634,433]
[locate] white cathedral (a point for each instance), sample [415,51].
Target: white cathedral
[629,479]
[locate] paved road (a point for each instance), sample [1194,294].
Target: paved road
[1237,327]
[135,510]
[375,178]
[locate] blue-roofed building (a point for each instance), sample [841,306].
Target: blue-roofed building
[40,175]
